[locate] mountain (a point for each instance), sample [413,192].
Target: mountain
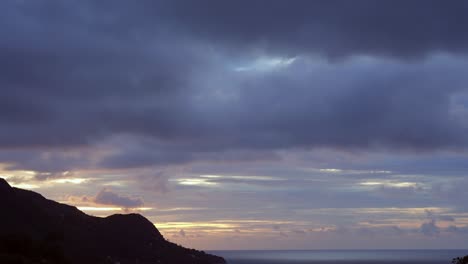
[34,229]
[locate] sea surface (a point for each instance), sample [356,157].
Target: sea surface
[340,256]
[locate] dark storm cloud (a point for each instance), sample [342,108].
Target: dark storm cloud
[334,28]
[141,152]
[47,164]
[186,77]
[65,81]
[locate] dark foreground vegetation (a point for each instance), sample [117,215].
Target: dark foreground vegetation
[460,260]
[36,230]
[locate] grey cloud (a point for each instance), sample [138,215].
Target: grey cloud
[333,28]
[80,73]
[451,192]
[64,76]
[446,218]
[182,233]
[457,230]
[48,175]
[46,164]
[436,217]
[142,88]
[144,156]
[299,232]
[107,197]
[155,181]
[406,192]
[349,113]
[145,152]
[430,228]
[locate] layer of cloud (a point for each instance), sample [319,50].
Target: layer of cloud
[333,111]
[332,28]
[95,74]
[106,197]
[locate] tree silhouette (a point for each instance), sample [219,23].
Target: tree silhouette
[460,260]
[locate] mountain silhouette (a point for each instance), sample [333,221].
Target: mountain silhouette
[34,229]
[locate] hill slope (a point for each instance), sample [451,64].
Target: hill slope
[34,229]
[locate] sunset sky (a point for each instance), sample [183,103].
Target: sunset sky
[247,124]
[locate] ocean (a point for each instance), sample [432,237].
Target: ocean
[340,256]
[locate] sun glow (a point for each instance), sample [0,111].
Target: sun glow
[26,186]
[109,209]
[393,184]
[178,225]
[195,182]
[70,180]
[246,177]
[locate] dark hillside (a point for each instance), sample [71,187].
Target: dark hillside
[36,230]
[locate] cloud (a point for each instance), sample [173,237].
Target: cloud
[446,218]
[430,228]
[182,233]
[155,181]
[106,197]
[331,28]
[176,97]
[323,95]
[299,232]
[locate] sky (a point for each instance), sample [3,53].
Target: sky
[257,124]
